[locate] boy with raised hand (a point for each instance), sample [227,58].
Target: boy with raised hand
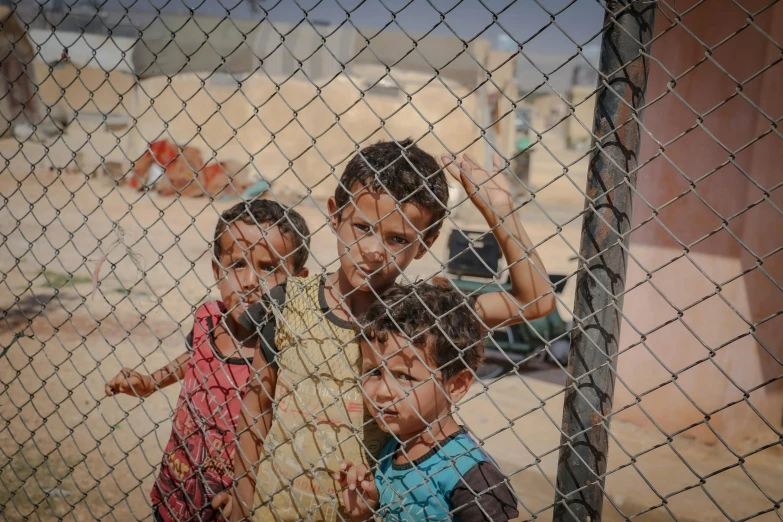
[310,415]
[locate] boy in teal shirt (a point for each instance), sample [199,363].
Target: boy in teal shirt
[421,347]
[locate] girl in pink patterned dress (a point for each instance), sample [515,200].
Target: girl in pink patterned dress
[257,245]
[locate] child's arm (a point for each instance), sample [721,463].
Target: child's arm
[253,424]
[530,286]
[256,413]
[484,494]
[360,493]
[252,427]
[131,382]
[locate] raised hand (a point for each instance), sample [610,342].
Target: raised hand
[531,292]
[360,494]
[489,191]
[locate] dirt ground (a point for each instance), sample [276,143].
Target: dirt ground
[68,452]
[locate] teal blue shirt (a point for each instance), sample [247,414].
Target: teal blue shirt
[456,480]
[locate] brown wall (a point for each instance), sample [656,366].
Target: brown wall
[735,322]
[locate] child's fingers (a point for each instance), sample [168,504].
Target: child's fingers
[451,166]
[340,474]
[361,472]
[370,488]
[115,385]
[110,387]
[366,482]
[467,169]
[349,500]
[219,500]
[356,480]
[352,477]
[224,503]
[461,170]
[471,161]
[127,381]
[497,162]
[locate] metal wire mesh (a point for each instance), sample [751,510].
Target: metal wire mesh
[651,196]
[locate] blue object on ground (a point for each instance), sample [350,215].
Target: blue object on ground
[256,189]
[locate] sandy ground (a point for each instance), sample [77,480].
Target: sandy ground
[68,452]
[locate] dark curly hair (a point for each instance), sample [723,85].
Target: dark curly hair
[268,213]
[436,318]
[405,171]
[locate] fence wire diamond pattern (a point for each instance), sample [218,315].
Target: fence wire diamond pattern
[613,245]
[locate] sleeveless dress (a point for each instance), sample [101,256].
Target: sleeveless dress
[198,461]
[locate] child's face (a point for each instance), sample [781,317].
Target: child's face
[377,241]
[251,260]
[405,396]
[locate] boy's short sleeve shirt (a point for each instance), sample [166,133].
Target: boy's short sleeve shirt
[457,481]
[319,418]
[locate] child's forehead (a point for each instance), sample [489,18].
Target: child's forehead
[397,346]
[249,236]
[379,205]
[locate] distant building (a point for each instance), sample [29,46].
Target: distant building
[293,99]
[19,104]
[578,127]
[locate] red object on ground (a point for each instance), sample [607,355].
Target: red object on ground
[182,175]
[161,152]
[186,174]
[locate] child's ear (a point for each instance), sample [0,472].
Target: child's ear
[425,244]
[458,385]
[334,215]
[305,272]
[216,271]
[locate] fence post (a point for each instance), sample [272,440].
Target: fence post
[601,278]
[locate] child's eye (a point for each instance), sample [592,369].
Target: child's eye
[405,377]
[239,263]
[375,372]
[268,268]
[400,240]
[362,227]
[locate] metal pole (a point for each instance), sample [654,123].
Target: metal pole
[592,359]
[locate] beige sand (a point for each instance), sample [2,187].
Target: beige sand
[59,430]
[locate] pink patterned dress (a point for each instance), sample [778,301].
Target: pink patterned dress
[198,461]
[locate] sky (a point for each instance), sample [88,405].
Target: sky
[517,21]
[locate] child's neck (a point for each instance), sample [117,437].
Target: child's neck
[419,445]
[231,340]
[345,299]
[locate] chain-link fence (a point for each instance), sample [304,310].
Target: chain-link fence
[620,260]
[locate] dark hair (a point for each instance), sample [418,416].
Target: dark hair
[436,318]
[405,171]
[269,213]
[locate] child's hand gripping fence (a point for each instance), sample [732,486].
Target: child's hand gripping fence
[650,191]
